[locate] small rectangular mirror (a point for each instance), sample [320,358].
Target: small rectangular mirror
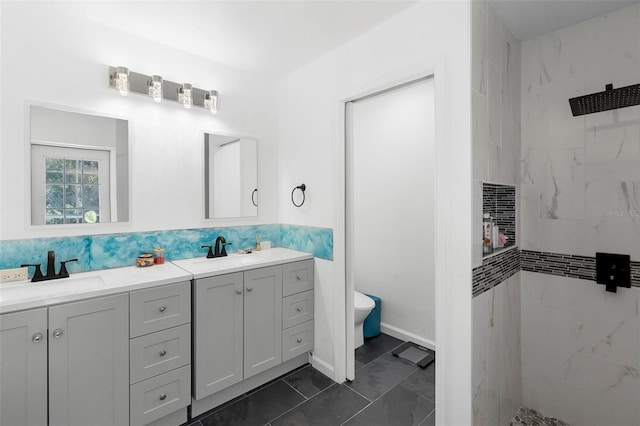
[230,176]
[79,167]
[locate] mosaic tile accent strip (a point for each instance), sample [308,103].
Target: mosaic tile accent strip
[97,252]
[528,417]
[500,202]
[568,265]
[495,270]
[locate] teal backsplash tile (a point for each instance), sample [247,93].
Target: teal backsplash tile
[95,252]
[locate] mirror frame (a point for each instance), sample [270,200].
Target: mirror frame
[203,166]
[81,227]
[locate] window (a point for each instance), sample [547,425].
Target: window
[71,185]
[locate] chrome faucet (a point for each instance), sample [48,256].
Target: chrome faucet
[51,268]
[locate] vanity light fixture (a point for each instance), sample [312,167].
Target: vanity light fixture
[120,79]
[155,88]
[185,96]
[159,89]
[211,101]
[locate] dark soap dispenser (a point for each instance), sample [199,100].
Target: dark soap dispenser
[613,270]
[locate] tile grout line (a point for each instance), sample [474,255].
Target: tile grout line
[302,402]
[303,395]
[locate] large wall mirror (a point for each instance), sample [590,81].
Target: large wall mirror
[230,176]
[79,167]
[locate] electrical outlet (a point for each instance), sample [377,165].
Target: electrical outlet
[15,274]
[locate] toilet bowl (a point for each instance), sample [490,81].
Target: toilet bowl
[362,306]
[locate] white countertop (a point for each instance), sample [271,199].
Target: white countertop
[201,267]
[21,295]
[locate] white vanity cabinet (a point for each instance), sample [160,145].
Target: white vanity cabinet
[84,350]
[23,368]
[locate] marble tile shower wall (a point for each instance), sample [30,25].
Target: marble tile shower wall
[116,250]
[495,103]
[580,193]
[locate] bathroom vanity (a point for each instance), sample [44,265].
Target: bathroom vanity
[114,347]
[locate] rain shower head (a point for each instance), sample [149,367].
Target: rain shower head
[604,101]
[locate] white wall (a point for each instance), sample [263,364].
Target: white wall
[581,194]
[53,58]
[393,182]
[310,143]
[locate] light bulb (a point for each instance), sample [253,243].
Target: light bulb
[122,80]
[155,88]
[185,95]
[211,101]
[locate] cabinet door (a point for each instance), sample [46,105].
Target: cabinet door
[89,362]
[262,319]
[23,368]
[218,333]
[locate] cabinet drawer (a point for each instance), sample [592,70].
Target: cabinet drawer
[158,308]
[297,340]
[161,395]
[159,352]
[297,277]
[297,309]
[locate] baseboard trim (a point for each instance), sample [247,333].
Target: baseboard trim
[401,334]
[323,366]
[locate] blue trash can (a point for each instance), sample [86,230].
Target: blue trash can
[372,321]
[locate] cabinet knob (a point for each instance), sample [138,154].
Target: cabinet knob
[249,288]
[37,338]
[299,309]
[239,291]
[163,353]
[163,396]
[57,333]
[299,277]
[299,340]
[162,308]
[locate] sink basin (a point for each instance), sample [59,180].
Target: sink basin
[52,288]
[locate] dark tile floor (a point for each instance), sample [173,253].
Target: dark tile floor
[387,391]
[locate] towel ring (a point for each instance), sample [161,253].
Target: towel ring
[302,188]
[253,200]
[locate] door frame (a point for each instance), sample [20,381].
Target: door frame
[452,240]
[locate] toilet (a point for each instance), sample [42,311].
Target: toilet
[362,306]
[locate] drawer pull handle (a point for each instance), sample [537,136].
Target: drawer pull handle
[299,277]
[37,338]
[239,291]
[163,353]
[162,308]
[299,340]
[249,288]
[58,333]
[299,309]
[163,396]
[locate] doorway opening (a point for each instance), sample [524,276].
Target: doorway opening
[390,208]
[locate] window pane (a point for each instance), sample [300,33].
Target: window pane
[90,172]
[53,216]
[72,171]
[54,177]
[91,196]
[54,196]
[73,196]
[73,216]
[54,164]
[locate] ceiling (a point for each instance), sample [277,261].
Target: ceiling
[528,19]
[276,37]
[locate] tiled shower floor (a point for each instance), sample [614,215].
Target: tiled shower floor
[387,391]
[528,417]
